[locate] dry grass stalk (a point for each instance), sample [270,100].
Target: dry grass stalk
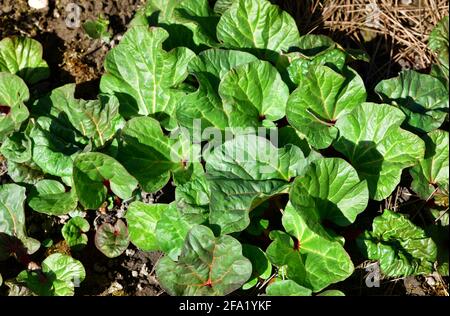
[407,23]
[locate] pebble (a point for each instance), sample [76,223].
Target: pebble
[129,252]
[134,274]
[38,4]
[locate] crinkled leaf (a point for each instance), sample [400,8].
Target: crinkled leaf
[142,219]
[50,197]
[56,141]
[321,100]
[253,94]
[314,44]
[315,259]
[94,174]
[96,120]
[142,75]
[401,247]
[12,215]
[299,67]
[74,232]
[259,27]
[423,98]
[371,138]
[13,94]
[205,104]
[22,56]
[287,288]
[207,265]
[112,240]
[432,171]
[26,173]
[17,148]
[222,5]
[330,189]
[58,277]
[439,43]
[193,198]
[171,231]
[244,172]
[151,156]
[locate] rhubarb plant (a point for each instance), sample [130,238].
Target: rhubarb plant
[264,142]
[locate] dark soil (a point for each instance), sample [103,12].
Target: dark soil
[70,53]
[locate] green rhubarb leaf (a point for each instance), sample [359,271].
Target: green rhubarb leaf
[142,75]
[171,231]
[330,189]
[12,215]
[287,288]
[244,172]
[208,265]
[331,293]
[261,267]
[423,98]
[431,173]
[299,67]
[314,259]
[258,27]
[321,100]
[190,23]
[112,240]
[193,199]
[94,174]
[25,173]
[58,277]
[205,104]
[96,120]
[55,140]
[17,148]
[402,248]
[50,197]
[153,157]
[22,56]
[376,146]
[439,43]
[97,29]
[223,5]
[74,233]
[13,95]
[314,44]
[254,94]
[142,219]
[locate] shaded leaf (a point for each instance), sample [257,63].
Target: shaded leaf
[95,174]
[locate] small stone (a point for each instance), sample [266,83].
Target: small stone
[38,4]
[129,252]
[431,281]
[134,274]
